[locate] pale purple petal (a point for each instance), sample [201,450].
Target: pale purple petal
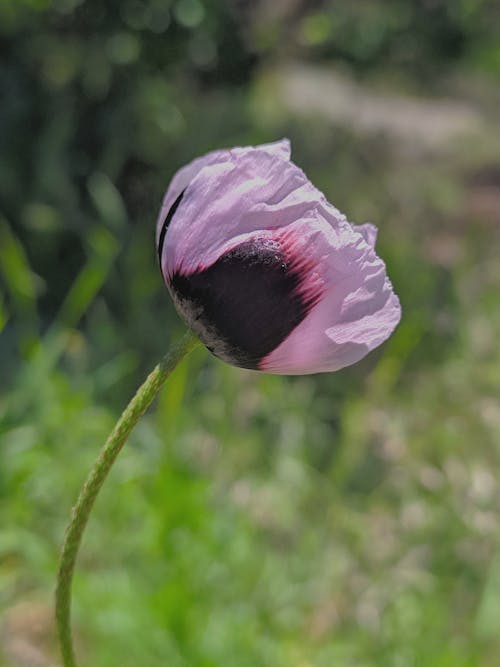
[368,232]
[184,176]
[358,311]
[251,190]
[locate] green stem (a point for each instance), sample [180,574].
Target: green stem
[81,511]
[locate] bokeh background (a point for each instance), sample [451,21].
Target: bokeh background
[347,519]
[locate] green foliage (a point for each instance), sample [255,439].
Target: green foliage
[342,519]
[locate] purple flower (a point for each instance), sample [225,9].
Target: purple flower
[265,270]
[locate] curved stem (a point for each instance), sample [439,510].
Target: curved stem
[81,511]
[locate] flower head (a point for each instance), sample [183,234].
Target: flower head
[265,270]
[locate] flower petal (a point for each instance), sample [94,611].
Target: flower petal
[251,190]
[186,174]
[368,232]
[357,312]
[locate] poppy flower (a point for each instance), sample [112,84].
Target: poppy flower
[265,270]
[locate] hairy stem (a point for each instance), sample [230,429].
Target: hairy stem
[81,511]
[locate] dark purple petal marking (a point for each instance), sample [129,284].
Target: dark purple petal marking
[167,221]
[246,303]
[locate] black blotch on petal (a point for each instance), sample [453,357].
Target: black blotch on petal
[167,221]
[245,304]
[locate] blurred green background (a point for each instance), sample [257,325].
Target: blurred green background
[345,519]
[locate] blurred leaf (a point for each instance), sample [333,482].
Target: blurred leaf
[90,279]
[4,316]
[316,28]
[123,48]
[21,286]
[189,13]
[107,200]
[19,279]
[42,217]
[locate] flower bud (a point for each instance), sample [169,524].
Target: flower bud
[265,270]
